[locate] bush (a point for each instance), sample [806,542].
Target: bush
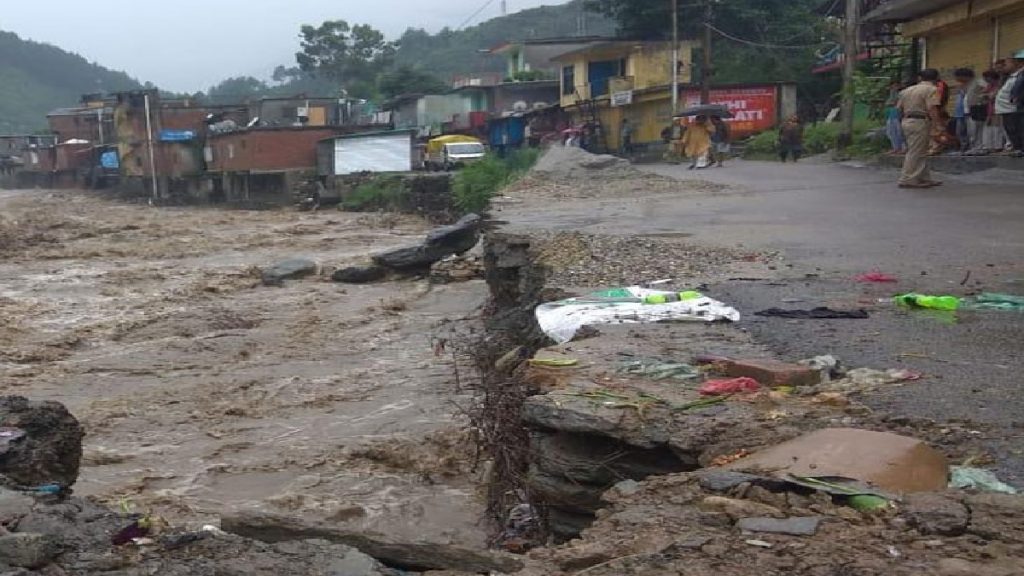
[379,193]
[478,182]
[820,138]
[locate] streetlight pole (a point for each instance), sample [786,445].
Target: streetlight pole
[675,57]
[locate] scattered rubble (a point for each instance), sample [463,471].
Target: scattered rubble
[587,260]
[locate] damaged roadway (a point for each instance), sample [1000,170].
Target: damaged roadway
[632,461]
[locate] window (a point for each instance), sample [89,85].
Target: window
[568,80]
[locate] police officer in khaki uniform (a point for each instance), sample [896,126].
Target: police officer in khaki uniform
[919,106]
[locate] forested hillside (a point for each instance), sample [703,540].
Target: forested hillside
[36,78]
[456,52]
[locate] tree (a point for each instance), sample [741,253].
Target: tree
[408,80]
[237,89]
[350,55]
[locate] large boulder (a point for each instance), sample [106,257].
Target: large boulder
[47,443]
[457,238]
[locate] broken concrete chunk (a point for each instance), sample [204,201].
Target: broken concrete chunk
[50,450]
[287,270]
[27,550]
[804,526]
[773,373]
[888,461]
[415,556]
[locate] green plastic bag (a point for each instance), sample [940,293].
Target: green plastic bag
[928,301]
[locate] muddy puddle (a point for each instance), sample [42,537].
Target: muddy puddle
[203,391]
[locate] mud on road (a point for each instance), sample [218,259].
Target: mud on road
[202,390]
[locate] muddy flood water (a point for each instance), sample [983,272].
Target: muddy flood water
[202,390]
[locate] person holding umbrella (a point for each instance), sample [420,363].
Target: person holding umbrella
[697,142]
[697,139]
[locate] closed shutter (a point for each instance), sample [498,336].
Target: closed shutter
[962,46]
[1011,33]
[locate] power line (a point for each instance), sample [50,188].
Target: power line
[475,14]
[762,44]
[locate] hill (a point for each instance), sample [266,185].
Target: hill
[452,53]
[35,78]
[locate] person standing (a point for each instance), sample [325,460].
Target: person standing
[919,107]
[993,137]
[893,129]
[970,111]
[697,142]
[626,136]
[1010,104]
[791,139]
[720,139]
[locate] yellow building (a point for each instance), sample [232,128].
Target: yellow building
[957,33]
[624,79]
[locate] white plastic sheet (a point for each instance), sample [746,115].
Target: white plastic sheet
[561,320]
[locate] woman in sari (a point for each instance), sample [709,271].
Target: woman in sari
[697,142]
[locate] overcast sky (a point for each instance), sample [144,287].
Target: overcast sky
[189,45]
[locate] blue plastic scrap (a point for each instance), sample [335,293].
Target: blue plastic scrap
[177,135]
[110,160]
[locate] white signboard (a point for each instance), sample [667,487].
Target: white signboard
[622,98]
[377,153]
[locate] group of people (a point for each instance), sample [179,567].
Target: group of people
[705,141]
[988,116]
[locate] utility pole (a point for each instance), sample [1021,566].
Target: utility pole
[504,7]
[706,71]
[851,49]
[152,152]
[675,57]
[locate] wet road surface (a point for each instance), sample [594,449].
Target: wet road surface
[832,222]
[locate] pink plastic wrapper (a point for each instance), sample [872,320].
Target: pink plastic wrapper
[878,277]
[730,386]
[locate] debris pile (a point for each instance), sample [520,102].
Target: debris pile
[573,164]
[590,260]
[457,269]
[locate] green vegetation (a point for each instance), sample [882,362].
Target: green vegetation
[388,193]
[37,78]
[476,184]
[820,138]
[451,53]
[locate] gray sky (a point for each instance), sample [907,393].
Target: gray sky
[188,45]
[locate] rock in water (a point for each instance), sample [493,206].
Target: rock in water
[360,274]
[417,259]
[288,269]
[51,449]
[459,237]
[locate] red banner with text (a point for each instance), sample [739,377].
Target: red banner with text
[753,108]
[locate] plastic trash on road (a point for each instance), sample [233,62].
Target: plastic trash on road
[962,477]
[730,386]
[927,301]
[561,320]
[995,301]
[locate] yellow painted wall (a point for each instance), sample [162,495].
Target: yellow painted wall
[649,114]
[649,66]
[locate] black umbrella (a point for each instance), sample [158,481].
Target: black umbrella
[706,110]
